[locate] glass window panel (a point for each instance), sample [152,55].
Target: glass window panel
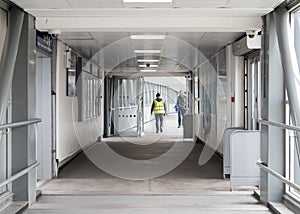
[293,161]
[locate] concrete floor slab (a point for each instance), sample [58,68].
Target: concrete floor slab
[190,188]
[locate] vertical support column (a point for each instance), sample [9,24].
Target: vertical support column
[107,104]
[54,70]
[23,108]
[239,91]
[230,81]
[290,64]
[189,92]
[192,100]
[8,58]
[273,96]
[188,128]
[235,88]
[3,136]
[81,87]
[115,96]
[140,113]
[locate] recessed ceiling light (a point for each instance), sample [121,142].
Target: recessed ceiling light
[154,37]
[148,51]
[147,1]
[148,60]
[150,66]
[145,70]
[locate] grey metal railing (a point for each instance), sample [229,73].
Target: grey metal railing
[19,174]
[264,166]
[280,125]
[33,165]
[21,123]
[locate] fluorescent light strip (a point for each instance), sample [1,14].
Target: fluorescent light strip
[147,1]
[154,37]
[145,70]
[148,60]
[148,51]
[150,66]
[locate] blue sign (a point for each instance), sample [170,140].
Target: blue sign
[44,41]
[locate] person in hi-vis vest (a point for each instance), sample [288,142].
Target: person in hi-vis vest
[159,109]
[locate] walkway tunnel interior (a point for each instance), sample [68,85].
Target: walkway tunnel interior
[81,81]
[138,160]
[125,83]
[130,80]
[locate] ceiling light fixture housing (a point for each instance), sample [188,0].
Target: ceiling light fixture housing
[148,66]
[147,51]
[147,37]
[148,60]
[147,1]
[147,70]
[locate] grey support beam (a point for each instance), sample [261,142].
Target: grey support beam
[290,65]
[289,61]
[8,58]
[24,108]
[273,107]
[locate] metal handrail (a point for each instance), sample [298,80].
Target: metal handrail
[19,174]
[280,125]
[264,167]
[20,124]
[128,107]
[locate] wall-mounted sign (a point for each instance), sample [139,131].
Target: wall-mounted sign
[44,41]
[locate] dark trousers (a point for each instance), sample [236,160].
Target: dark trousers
[180,116]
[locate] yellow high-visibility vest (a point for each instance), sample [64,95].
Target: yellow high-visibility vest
[159,107]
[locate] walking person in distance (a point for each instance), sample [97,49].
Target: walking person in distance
[181,107]
[158,108]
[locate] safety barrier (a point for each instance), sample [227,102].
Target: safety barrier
[264,166]
[33,165]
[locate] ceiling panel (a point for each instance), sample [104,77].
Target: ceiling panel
[191,38]
[76,36]
[147,5]
[86,48]
[199,3]
[106,38]
[252,3]
[78,4]
[176,48]
[38,4]
[212,38]
[146,46]
[226,3]
[150,42]
[93,4]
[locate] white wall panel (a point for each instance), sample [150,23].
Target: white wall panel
[71,135]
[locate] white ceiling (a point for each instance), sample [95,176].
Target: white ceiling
[80,4]
[91,25]
[175,47]
[180,15]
